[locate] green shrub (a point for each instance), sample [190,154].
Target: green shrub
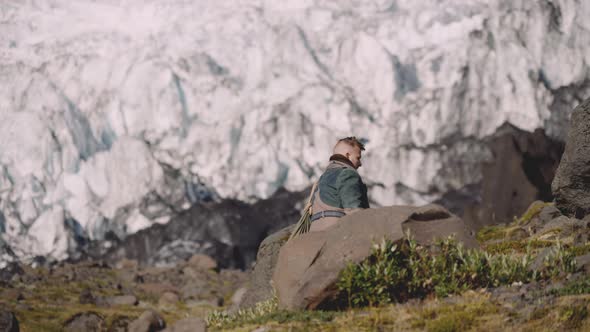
[396,272]
[560,260]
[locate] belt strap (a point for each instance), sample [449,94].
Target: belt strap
[327,213]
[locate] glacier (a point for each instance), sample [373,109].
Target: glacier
[117,114]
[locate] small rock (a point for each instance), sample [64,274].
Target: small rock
[202,262]
[193,324]
[218,302]
[236,300]
[11,294]
[193,272]
[548,213]
[580,239]
[559,227]
[583,263]
[238,296]
[127,264]
[11,271]
[84,322]
[518,234]
[121,300]
[538,262]
[119,324]
[157,289]
[195,289]
[168,298]
[149,321]
[8,322]
[86,297]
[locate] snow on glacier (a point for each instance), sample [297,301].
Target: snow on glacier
[105,105]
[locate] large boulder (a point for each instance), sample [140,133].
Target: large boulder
[571,185]
[308,267]
[260,288]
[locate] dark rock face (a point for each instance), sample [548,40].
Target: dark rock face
[8,322]
[571,185]
[229,231]
[521,171]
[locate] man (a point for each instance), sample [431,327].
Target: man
[340,190]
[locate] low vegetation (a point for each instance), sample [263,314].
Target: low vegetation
[258,314]
[401,286]
[397,272]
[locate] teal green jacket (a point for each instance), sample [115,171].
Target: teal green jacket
[341,185]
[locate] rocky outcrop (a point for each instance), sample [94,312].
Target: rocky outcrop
[542,223]
[519,170]
[308,267]
[571,185]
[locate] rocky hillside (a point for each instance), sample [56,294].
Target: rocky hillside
[194,295]
[92,296]
[118,115]
[530,274]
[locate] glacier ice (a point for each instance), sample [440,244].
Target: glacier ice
[106,106]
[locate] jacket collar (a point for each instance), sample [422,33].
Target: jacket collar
[341,160]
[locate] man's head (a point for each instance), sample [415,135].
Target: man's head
[351,148]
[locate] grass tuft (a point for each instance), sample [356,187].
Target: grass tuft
[518,246]
[490,233]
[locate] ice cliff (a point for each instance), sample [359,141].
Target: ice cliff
[115,115]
